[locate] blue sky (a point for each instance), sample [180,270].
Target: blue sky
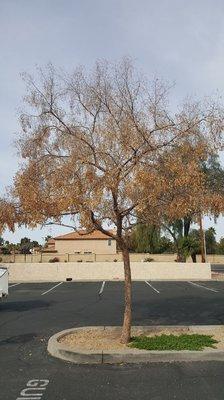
[178,40]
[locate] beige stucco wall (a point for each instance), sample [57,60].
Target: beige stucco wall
[72,257]
[82,245]
[107,271]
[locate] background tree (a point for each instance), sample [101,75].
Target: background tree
[7,247]
[214,174]
[214,182]
[47,238]
[220,246]
[26,245]
[210,241]
[100,147]
[165,245]
[189,245]
[147,238]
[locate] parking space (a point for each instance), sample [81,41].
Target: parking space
[14,284]
[65,304]
[100,284]
[105,289]
[34,311]
[59,292]
[29,288]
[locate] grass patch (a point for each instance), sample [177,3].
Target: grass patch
[173,342]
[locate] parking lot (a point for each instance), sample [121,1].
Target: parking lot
[33,312]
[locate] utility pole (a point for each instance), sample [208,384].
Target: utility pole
[202,240]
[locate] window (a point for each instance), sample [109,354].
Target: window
[77,252]
[87,252]
[109,242]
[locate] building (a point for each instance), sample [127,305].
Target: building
[80,242]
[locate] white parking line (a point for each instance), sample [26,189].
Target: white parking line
[102,287]
[15,284]
[204,287]
[51,288]
[149,284]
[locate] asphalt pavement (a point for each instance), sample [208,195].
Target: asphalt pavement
[217,267]
[33,312]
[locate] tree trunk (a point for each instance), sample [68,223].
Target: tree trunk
[187,224]
[181,258]
[194,257]
[126,329]
[202,240]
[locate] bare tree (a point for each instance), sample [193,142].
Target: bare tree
[103,148]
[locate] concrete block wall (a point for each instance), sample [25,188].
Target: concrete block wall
[135,257]
[98,271]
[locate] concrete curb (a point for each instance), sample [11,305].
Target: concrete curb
[78,356]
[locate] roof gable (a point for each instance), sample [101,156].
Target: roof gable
[82,235]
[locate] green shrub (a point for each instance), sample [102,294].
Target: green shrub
[53,260]
[173,342]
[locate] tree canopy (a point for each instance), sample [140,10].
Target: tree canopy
[104,148]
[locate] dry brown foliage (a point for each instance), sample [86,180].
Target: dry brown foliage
[103,147]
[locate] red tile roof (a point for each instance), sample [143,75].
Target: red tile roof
[77,235]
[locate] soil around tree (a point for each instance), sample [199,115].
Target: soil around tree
[108,338]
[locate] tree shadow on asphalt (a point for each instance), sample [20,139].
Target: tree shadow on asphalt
[23,305]
[19,339]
